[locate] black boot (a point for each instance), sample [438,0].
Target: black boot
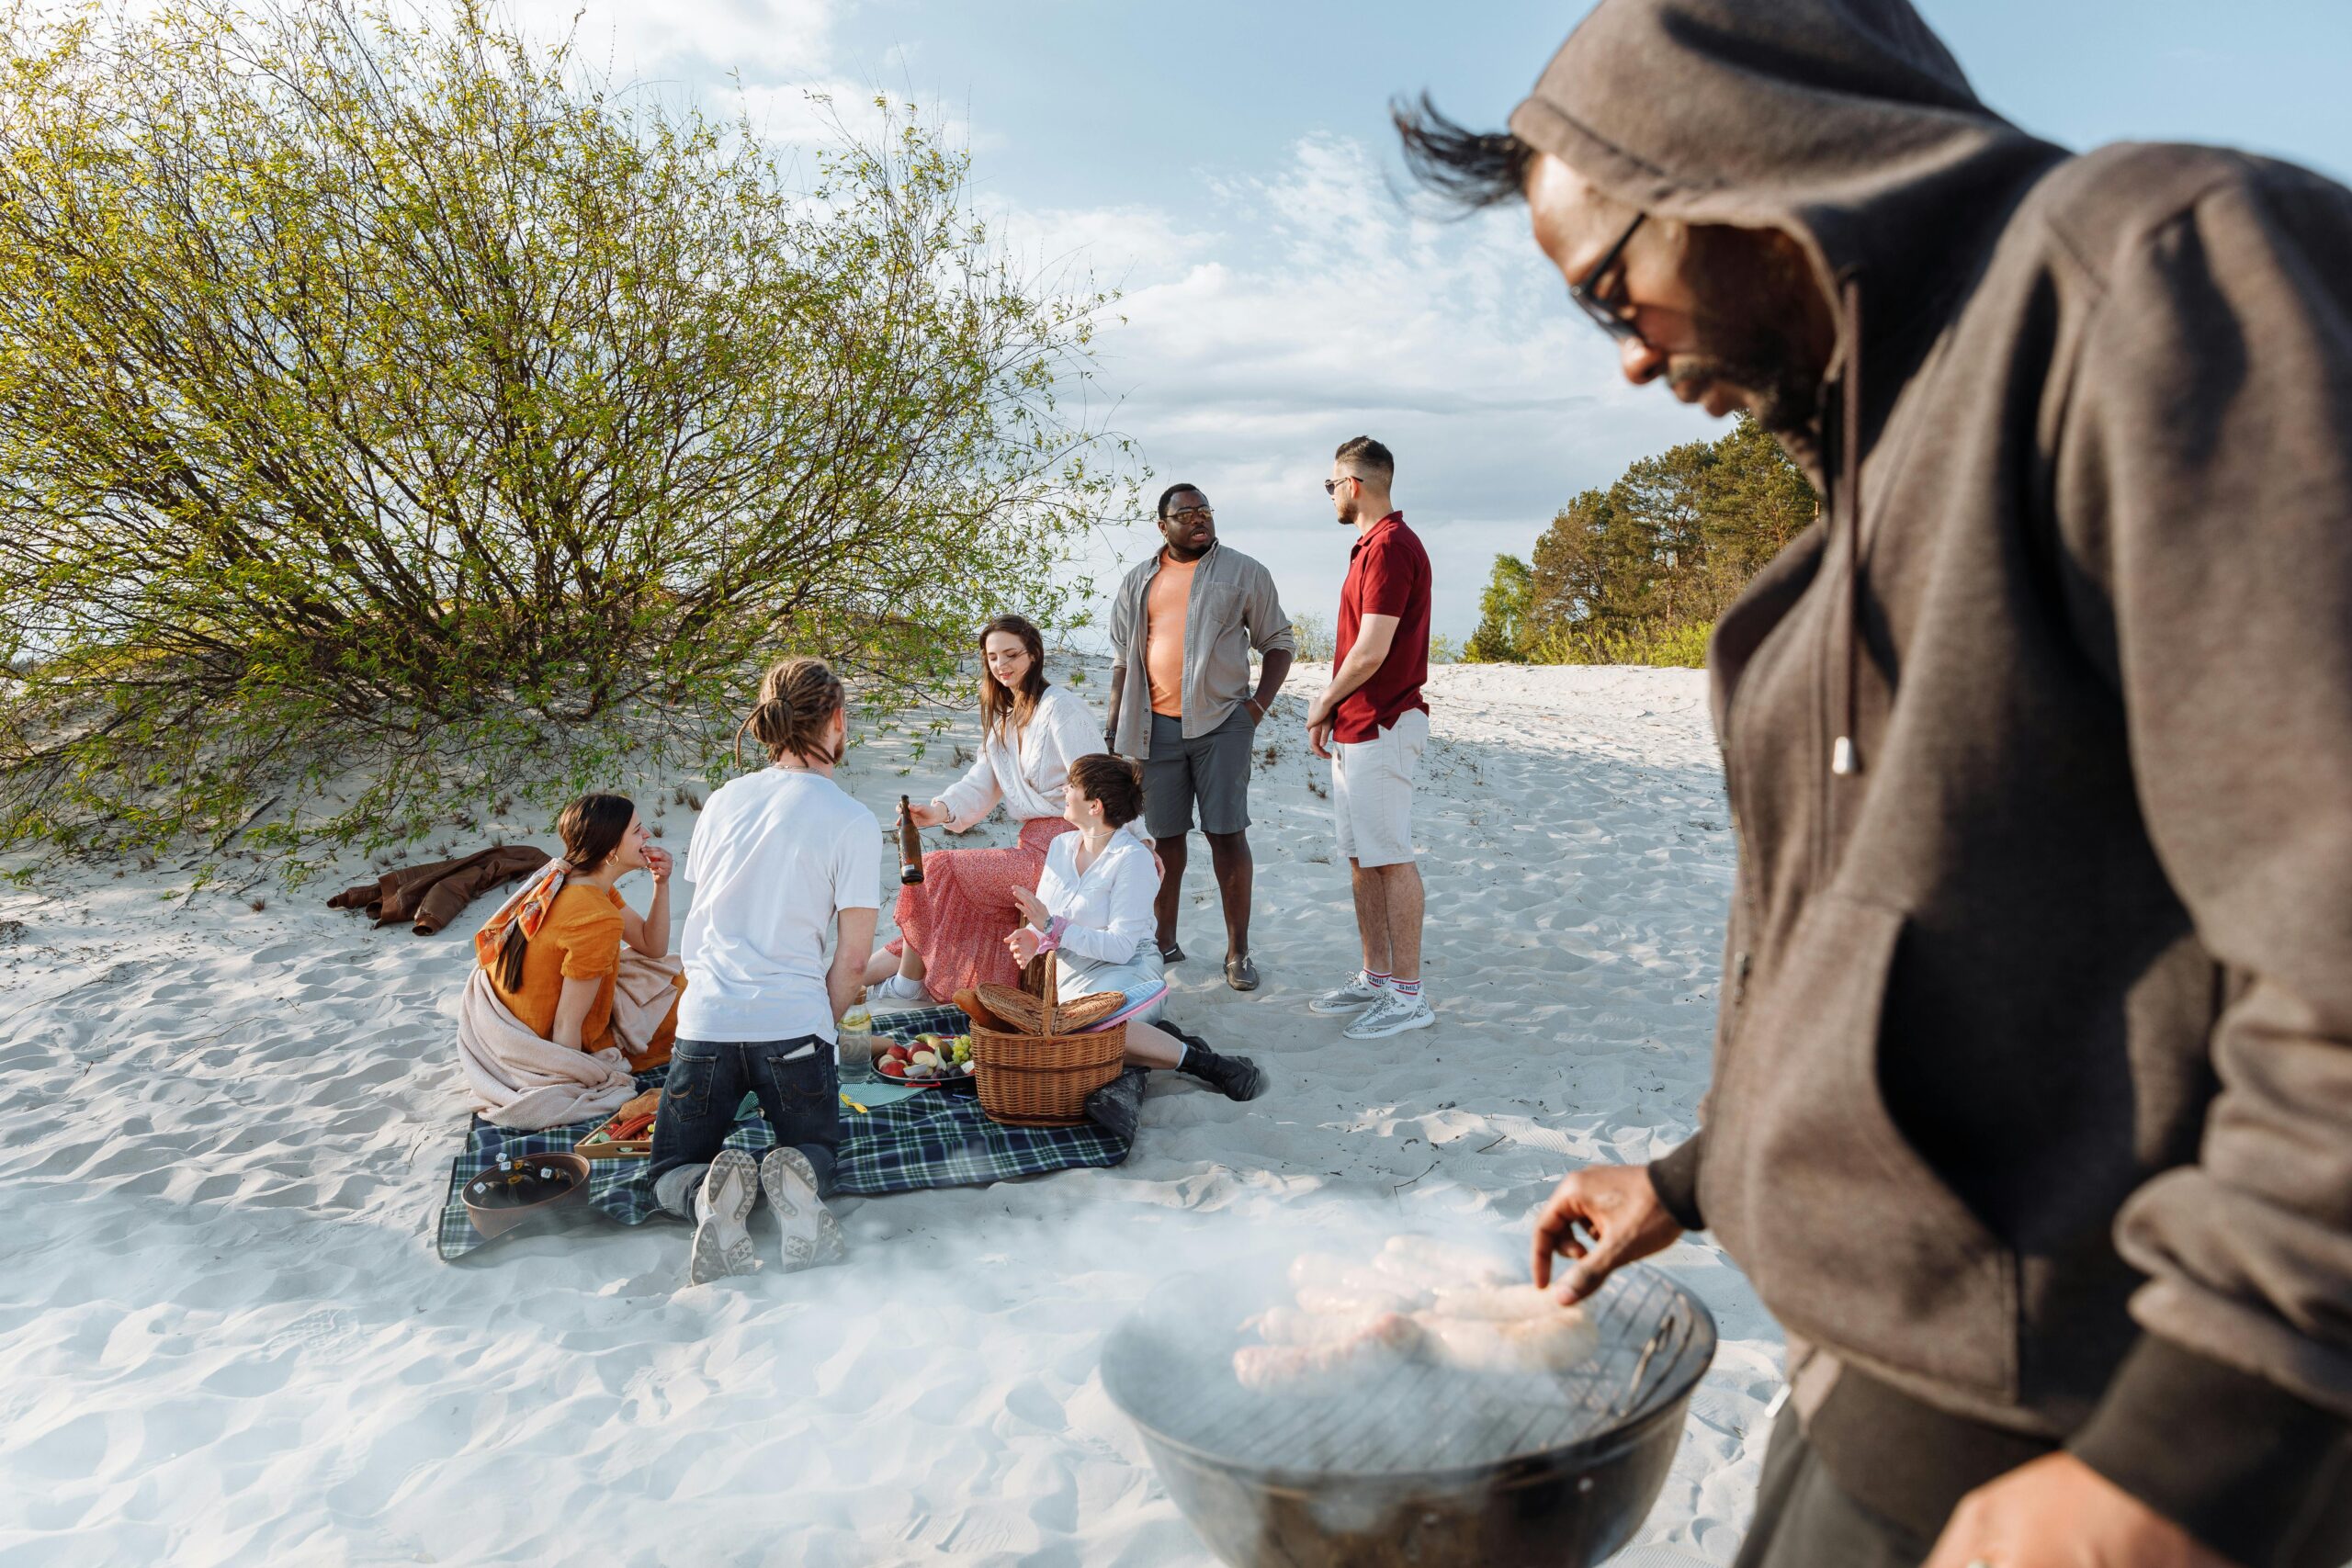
[1117,1106]
[1236,1078]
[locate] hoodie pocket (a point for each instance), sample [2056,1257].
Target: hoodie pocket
[1851,1238]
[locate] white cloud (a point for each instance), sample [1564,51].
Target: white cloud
[1119,247]
[695,41]
[777,62]
[820,111]
[1317,308]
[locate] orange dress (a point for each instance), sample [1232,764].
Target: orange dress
[580,940]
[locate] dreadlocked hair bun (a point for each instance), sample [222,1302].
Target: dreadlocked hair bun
[798,701]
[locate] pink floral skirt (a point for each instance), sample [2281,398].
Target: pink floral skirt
[959,914]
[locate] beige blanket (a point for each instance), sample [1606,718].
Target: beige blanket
[520,1080]
[643,993]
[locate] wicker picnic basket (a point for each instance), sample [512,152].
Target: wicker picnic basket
[1040,1077]
[1024,1012]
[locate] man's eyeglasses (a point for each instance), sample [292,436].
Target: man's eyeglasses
[1584,291]
[1331,487]
[1190,514]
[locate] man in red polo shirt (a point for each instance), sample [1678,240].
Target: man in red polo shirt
[1371,721]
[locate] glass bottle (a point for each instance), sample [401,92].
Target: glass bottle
[909,844]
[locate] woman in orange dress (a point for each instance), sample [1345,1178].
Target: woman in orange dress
[953,924]
[554,949]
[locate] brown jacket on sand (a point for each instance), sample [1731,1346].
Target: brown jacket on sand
[432,895]
[2031,1117]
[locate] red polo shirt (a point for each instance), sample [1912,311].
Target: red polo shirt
[1389,574]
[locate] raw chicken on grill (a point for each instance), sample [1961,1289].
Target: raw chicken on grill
[1552,1343]
[1331,1285]
[1299,1325]
[1423,1263]
[1327,1366]
[1501,1303]
[1421,1298]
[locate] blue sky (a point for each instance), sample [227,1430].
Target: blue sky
[1230,167]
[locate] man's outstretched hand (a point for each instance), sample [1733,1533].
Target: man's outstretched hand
[2060,1513]
[2056,1512]
[1618,1210]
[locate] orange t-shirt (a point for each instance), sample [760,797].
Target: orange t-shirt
[1163,637]
[580,940]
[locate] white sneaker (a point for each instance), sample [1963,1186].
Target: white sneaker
[1354,996]
[722,1246]
[898,988]
[812,1238]
[1393,1014]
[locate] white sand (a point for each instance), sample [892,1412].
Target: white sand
[225,1338]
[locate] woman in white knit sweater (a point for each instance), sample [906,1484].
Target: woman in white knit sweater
[952,924]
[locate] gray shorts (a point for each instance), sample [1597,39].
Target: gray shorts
[1213,769]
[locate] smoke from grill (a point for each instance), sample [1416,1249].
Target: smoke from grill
[1408,1459]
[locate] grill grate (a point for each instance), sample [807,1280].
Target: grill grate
[1410,1417]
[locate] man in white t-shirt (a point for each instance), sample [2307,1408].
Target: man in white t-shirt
[779,859]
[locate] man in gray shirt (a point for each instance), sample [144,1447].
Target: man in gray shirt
[1182,706]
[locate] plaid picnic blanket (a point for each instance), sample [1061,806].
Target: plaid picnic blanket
[937,1139]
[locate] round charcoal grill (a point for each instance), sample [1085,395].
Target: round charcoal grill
[1421,1464]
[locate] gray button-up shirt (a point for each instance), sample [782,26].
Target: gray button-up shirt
[1232,610]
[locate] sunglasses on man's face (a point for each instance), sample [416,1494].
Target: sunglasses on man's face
[1586,291]
[1331,487]
[1190,514]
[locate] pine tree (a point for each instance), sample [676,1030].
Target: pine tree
[1639,571]
[1502,615]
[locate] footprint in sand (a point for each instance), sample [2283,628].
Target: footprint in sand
[1029,1402]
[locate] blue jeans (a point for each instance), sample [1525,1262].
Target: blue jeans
[708,1080]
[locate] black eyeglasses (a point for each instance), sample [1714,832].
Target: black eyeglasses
[1191,513]
[1331,487]
[1584,291]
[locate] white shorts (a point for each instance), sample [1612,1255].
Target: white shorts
[1372,790]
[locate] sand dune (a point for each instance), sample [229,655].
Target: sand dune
[225,1337]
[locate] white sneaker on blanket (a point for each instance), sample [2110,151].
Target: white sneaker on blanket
[898,991]
[811,1237]
[722,1246]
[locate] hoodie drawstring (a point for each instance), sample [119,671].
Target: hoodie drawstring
[1845,758]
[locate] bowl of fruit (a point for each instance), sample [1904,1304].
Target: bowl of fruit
[926,1061]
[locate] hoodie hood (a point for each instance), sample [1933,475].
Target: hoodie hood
[1845,123]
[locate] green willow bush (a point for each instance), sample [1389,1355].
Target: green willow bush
[393,417]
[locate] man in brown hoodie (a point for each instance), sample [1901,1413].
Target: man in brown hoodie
[2031,1118]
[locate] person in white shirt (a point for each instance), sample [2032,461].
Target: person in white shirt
[779,858]
[1093,911]
[952,924]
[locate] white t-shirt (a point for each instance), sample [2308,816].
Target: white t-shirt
[774,856]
